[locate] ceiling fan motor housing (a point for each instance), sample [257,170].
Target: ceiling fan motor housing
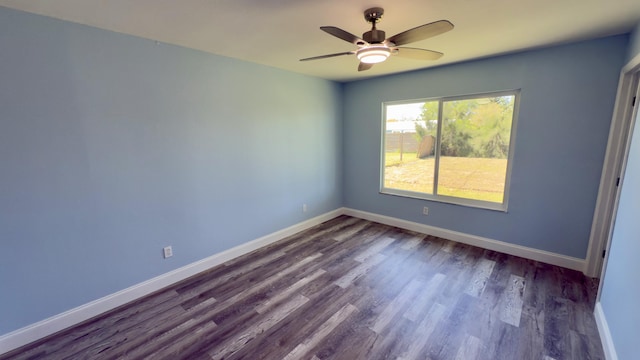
[374,36]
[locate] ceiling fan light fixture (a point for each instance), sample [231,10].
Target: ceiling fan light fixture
[373,55]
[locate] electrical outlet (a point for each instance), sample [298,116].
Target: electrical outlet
[167,251]
[425,211]
[304,208]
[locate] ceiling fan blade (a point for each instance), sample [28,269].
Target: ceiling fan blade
[418,54]
[364,66]
[421,32]
[328,56]
[344,35]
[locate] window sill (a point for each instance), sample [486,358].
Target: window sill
[479,204]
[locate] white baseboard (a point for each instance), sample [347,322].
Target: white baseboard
[485,243]
[605,335]
[33,332]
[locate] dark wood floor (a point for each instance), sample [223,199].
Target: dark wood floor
[351,289]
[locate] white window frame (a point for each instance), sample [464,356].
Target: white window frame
[443,198]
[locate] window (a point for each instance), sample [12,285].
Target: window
[455,149]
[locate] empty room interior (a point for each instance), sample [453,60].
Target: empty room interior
[434,180]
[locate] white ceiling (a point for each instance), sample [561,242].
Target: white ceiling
[279,32]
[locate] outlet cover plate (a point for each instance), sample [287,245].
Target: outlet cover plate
[167,251]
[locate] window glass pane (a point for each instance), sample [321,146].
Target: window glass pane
[410,136]
[475,147]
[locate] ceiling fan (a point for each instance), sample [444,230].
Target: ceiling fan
[374,48]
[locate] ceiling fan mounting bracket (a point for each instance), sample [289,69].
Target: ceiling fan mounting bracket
[373,15]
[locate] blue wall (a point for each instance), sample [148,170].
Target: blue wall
[634,43]
[567,99]
[112,147]
[621,289]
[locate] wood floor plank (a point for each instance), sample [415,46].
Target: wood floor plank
[373,249]
[395,339]
[423,332]
[502,344]
[413,242]
[236,343]
[557,325]
[174,349]
[449,246]
[159,341]
[129,332]
[512,301]
[352,231]
[340,344]
[102,327]
[470,349]
[170,330]
[425,298]
[350,289]
[138,332]
[531,343]
[318,233]
[347,279]
[325,329]
[207,283]
[288,292]
[446,341]
[256,288]
[479,280]
[397,269]
[296,329]
[397,305]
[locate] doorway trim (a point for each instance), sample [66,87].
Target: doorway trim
[615,156]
